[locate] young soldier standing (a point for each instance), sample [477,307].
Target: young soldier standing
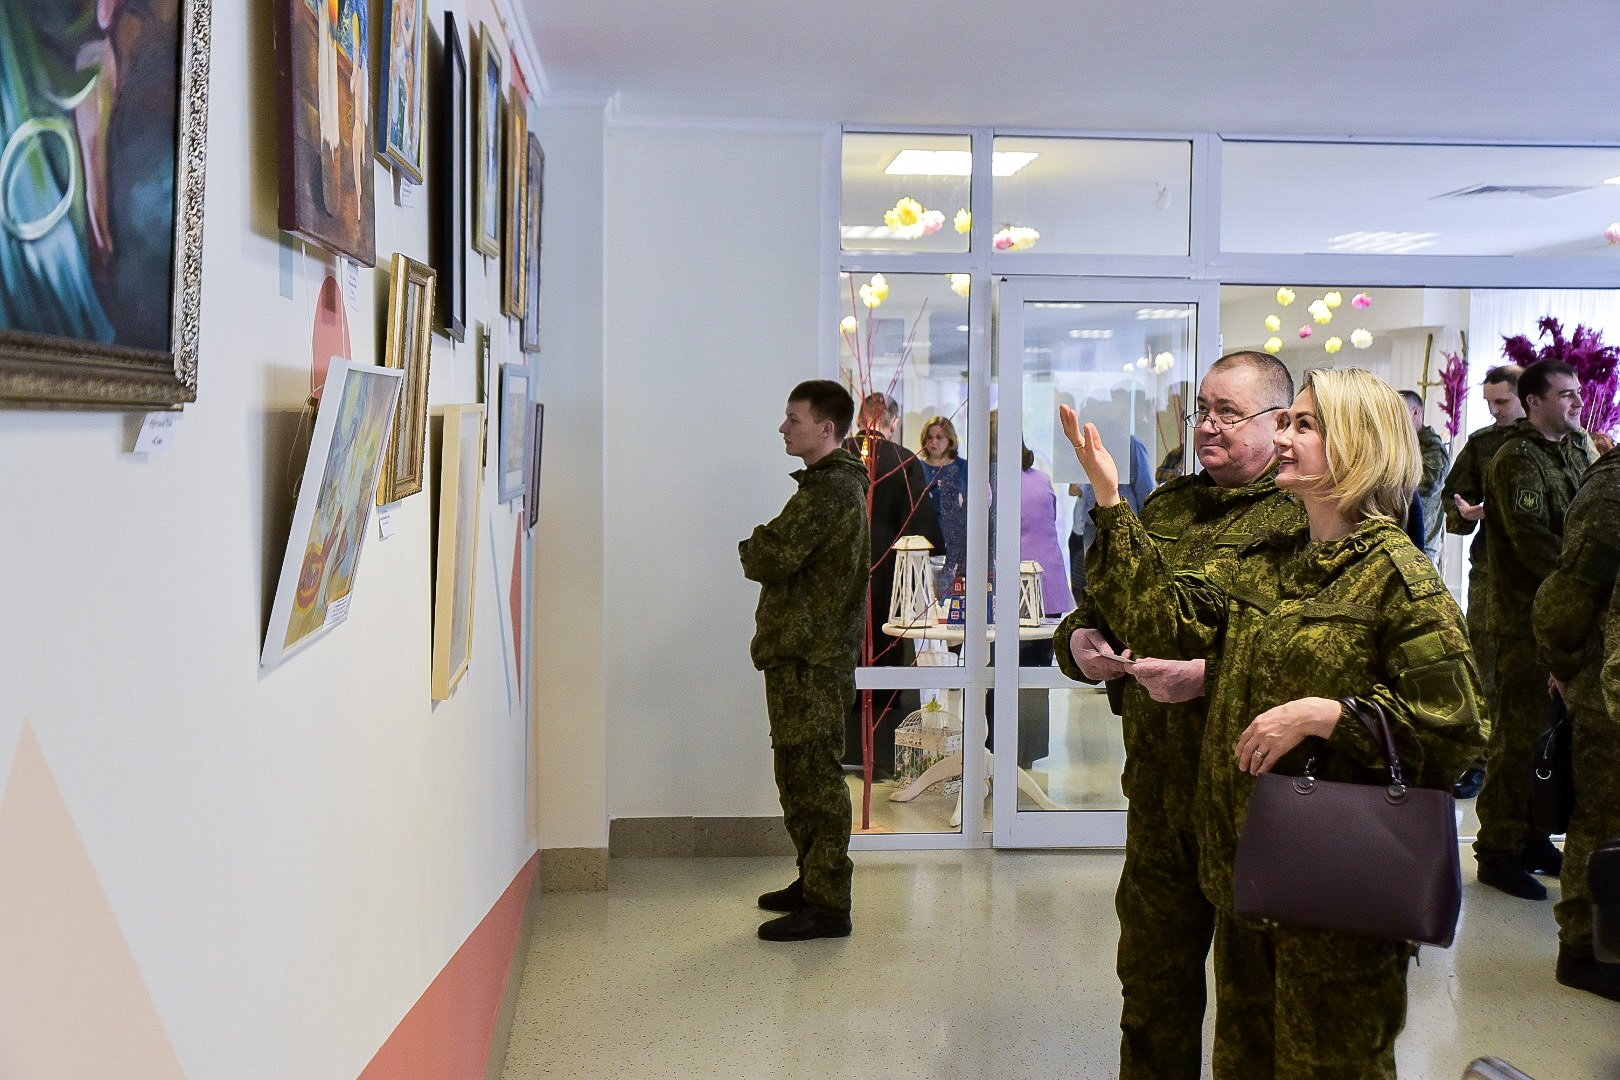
[812,562]
[1569,617]
[1528,489]
[1165,923]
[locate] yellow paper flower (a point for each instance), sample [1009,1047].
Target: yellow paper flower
[1015,238]
[869,296]
[964,221]
[880,287]
[907,211]
[1361,337]
[1333,344]
[1274,345]
[1163,363]
[961,284]
[850,324]
[1285,296]
[1333,299]
[1273,323]
[1319,311]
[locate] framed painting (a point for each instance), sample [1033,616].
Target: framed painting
[531,461]
[346,457]
[328,186]
[450,170]
[456,565]
[514,418]
[402,86]
[487,147]
[533,191]
[517,171]
[101,202]
[408,348]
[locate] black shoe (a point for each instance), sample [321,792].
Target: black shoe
[806,923]
[1507,873]
[1541,856]
[788,899]
[1580,969]
[1468,784]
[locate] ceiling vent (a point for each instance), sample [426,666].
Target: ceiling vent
[1510,191]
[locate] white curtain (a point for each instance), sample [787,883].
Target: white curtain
[1497,313]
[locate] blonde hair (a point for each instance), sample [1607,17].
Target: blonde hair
[1372,452]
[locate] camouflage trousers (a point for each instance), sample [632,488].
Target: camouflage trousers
[1518,716]
[1595,756]
[1481,640]
[807,706]
[1295,1004]
[1165,925]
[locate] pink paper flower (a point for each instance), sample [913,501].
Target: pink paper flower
[932,221]
[1361,300]
[1306,331]
[1612,233]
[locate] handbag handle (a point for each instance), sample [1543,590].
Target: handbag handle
[1377,722]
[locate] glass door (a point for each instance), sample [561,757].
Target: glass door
[1124,354]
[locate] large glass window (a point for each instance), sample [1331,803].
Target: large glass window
[905,192]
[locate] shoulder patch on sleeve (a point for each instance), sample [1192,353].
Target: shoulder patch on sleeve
[1528,500]
[1417,572]
[1599,563]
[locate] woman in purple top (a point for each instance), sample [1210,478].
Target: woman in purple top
[1039,538]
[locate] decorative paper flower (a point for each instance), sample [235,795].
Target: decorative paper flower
[931,222]
[1361,337]
[907,211]
[964,221]
[874,292]
[1612,233]
[1016,238]
[1273,323]
[1273,345]
[1596,365]
[1285,296]
[1163,363]
[1333,299]
[1333,344]
[849,324]
[1319,311]
[1454,381]
[961,284]
[1361,300]
[1143,361]
[1306,331]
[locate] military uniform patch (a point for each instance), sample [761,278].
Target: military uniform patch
[1529,501]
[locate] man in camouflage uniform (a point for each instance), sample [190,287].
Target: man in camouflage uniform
[1463,500]
[811,563]
[1165,922]
[1436,460]
[1570,609]
[1528,489]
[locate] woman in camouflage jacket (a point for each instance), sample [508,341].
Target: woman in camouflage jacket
[1345,608]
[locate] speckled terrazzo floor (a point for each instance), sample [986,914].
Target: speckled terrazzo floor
[963,964]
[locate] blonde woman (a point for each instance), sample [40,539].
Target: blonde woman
[1293,624]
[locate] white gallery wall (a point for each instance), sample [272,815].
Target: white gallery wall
[292,856]
[712,276]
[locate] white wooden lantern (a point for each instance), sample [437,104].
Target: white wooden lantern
[1031,606]
[911,601]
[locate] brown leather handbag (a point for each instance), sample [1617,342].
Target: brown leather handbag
[1375,860]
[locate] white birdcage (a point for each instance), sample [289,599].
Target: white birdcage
[1031,605]
[911,600]
[925,737]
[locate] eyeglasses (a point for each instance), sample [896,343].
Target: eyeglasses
[1224,421]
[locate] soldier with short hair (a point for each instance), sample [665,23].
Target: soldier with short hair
[1528,488]
[1436,460]
[811,563]
[1570,610]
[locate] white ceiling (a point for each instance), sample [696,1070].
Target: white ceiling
[1499,69]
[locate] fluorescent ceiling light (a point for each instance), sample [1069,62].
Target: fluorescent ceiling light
[1091,334]
[1613,180]
[866,232]
[954,163]
[1383,243]
[1164,313]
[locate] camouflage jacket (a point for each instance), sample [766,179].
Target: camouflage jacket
[1467,478]
[1436,460]
[1528,488]
[1571,603]
[1193,520]
[812,562]
[1364,616]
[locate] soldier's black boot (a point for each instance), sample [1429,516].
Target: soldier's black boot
[1541,856]
[806,923]
[1507,872]
[1580,969]
[784,900]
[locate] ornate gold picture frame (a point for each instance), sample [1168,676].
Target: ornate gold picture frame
[514,251]
[455,568]
[410,339]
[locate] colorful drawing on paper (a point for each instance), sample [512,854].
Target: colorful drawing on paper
[402,83]
[327,182]
[89,100]
[331,543]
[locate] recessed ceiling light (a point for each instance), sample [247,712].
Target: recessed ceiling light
[1383,242]
[1164,313]
[954,163]
[865,232]
[1091,334]
[962,329]
[1613,180]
